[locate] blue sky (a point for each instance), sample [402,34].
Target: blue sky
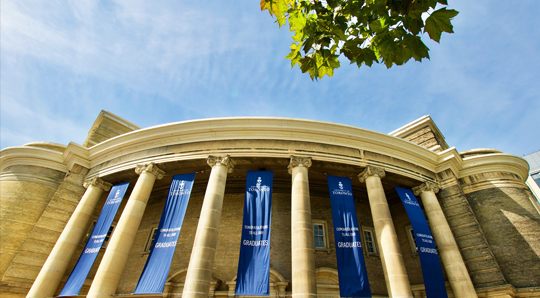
[155,62]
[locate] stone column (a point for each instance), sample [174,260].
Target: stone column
[201,263]
[395,274]
[115,257]
[304,283]
[457,273]
[54,268]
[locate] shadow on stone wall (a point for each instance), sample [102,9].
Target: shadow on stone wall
[511,225]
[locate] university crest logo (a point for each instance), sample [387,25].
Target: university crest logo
[181,189]
[341,190]
[409,201]
[182,184]
[258,186]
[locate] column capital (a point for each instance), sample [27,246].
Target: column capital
[299,161]
[221,160]
[97,182]
[150,168]
[371,171]
[426,186]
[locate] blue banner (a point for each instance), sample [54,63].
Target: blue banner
[157,266]
[86,260]
[353,278]
[253,277]
[429,258]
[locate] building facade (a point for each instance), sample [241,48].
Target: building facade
[481,212]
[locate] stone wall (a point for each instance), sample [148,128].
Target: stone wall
[511,225]
[475,249]
[43,234]
[21,206]
[25,193]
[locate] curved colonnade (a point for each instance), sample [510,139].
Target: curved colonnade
[67,185]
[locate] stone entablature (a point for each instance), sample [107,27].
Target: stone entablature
[494,179]
[269,137]
[48,145]
[32,156]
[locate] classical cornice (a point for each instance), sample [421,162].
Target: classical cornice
[496,162]
[48,145]
[104,118]
[76,154]
[137,142]
[477,164]
[449,159]
[32,156]
[418,124]
[287,129]
[115,118]
[478,151]
[261,129]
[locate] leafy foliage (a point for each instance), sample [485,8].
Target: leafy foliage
[364,31]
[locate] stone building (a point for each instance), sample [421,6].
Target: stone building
[479,208]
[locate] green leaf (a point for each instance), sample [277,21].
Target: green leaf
[341,22]
[439,22]
[339,33]
[387,50]
[333,61]
[378,25]
[413,20]
[265,4]
[297,20]
[277,8]
[307,45]
[307,64]
[351,48]
[399,6]
[367,57]
[416,47]
[321,71]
